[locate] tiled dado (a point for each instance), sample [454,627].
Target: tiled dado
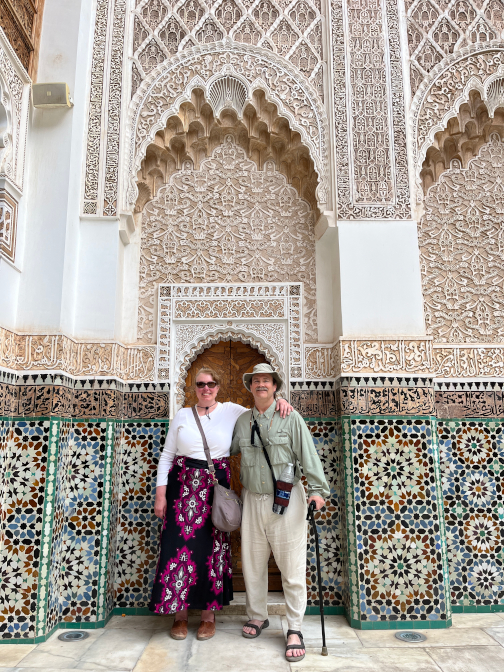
[472,472]
[79,536]
[394,523]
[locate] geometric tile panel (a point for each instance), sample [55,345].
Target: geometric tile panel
[138,533]
[326,436]
[472,471]
[83,503]
[394,505]
[24,449]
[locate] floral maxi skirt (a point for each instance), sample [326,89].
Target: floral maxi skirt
[194,568]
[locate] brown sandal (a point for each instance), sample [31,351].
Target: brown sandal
[179,630]
[206,630]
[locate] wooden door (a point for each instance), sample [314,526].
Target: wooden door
[230,360]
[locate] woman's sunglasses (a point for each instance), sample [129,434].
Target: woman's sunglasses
[201,385]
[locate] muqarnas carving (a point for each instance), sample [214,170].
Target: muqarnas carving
[462,250]
[226,222]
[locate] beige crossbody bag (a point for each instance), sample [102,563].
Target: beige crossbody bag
[227,505]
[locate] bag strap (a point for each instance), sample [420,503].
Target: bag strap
[255,429]
[211,467]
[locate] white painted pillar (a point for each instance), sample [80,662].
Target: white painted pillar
[56,142]
[381,290]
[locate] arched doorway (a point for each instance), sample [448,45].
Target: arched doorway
[231,359]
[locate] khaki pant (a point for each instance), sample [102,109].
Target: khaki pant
[263,531]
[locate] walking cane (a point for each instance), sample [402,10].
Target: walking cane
[310,516]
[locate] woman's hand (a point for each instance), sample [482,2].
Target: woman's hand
[284,407]
[160,504]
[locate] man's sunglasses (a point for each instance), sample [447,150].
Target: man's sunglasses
[201,385]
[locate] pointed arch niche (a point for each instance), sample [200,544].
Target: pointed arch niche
[195,316]
[226,194]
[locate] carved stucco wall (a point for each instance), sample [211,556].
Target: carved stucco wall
[369,112]
[461,239]
[293,30]
[225,223]
[437,28]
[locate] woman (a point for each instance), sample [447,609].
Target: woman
[194,567]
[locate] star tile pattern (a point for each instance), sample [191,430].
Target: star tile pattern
[326,436]
[394,531]
[24,448]
[472,470]
[138,528]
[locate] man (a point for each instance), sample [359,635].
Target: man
[286,441]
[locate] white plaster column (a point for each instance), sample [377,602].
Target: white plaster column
[381,290]
[47,292]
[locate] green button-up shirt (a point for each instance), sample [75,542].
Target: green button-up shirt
[287,440]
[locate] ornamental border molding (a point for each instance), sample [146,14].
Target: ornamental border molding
[342,93]
[192,317]
[57,353]
[441,110]
[421,357]
[144,104]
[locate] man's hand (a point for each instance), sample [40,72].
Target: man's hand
[319,501]
[284,407]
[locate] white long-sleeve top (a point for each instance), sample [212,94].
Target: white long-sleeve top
[184,437]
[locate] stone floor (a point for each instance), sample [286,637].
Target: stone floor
[475,643]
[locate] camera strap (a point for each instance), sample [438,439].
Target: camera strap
[255,430]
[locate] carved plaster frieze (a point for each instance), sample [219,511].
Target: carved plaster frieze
[386,356]
[57,352]
[322,361]
[370,117]
[446,88]
[421,357]
[168,86]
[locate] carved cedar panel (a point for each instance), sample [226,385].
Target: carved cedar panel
[461,240]
[227,222]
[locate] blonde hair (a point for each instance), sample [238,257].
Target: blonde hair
[209,372]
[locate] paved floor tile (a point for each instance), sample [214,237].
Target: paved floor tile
[473,659]
[477,620]
[228,651]
[447,638]
[12,654]
[369,660]
[58,655]
[497,634]
[116,649]
[153,623]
